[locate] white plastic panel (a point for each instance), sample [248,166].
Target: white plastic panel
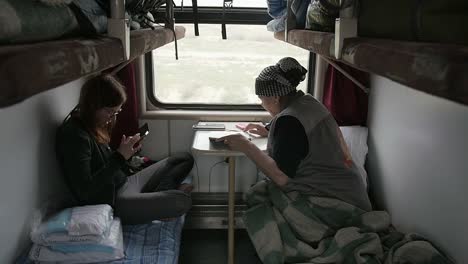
[28,165]
[417,163]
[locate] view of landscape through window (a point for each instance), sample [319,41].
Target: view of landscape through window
[211,70]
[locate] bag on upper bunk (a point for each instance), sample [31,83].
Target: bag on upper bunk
[321,15]
[415,20]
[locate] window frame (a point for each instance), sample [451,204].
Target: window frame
[214,15]
[234,18]
[195,106]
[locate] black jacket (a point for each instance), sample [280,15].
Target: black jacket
[92,171]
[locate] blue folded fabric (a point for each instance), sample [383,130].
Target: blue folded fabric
[69,248]
[277,25]
[276,8]
[59,222]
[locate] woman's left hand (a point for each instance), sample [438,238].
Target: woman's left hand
[236,142]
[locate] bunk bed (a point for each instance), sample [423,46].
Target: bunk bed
[53,63]
[435,68]
[156,242]
[49,64]
[27,69]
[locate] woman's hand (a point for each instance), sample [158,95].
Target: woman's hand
[256,129]
[126,146]
[236,142]
[266,164]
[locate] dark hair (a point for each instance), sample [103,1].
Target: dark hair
[97,93]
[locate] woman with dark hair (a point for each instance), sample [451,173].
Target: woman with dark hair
[96,174]
[306,150]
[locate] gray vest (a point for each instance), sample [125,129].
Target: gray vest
[327,170]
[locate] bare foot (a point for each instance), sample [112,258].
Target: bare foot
[185,187]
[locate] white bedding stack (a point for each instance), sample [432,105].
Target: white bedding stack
[84,234]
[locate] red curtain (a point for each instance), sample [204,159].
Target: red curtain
[127,120]
[344,99]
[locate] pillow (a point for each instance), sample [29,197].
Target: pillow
[356,139]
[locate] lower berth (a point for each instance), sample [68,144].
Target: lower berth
[294,228]
[154,243]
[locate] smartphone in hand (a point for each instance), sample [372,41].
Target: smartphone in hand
[144,131]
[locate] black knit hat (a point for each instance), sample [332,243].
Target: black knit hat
[280,79]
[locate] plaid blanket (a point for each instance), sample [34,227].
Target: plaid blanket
[157,242]
[294,228]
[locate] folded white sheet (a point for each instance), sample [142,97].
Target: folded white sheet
[74,225]
[90,220]
[110,248]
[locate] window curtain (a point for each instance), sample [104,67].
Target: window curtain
[344,99]
[127,119]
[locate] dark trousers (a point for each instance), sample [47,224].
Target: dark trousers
[150,194]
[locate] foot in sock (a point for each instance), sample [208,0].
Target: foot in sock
[185,187]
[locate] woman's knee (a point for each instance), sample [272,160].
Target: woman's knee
[183,161]
[182,158]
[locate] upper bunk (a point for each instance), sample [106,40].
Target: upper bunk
[435,67]
[28,69]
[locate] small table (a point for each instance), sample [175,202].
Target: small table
[201,145]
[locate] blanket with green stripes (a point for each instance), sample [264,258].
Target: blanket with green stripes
[294,228]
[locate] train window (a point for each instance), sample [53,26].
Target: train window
[212,73]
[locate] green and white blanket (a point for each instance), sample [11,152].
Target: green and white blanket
[294,228]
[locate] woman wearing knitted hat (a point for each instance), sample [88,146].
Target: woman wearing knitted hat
[306,151]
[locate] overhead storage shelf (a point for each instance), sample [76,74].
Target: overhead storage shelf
[29,69]
[321,43]
[437,69]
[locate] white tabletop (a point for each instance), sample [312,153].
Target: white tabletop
[201,143]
